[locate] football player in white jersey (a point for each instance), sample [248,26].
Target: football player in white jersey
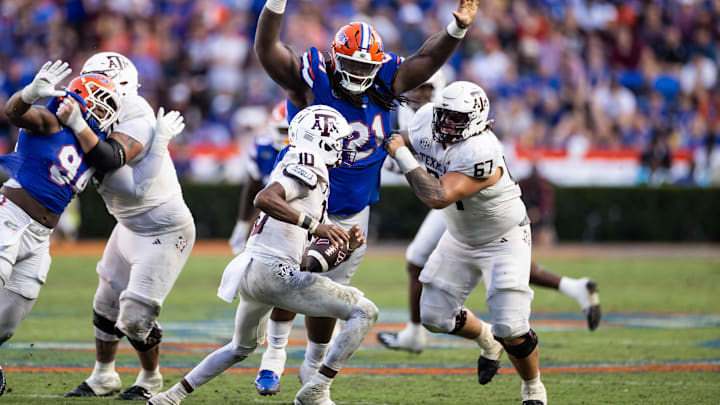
[413,337]
[488,232]
[268,273]
[151,241]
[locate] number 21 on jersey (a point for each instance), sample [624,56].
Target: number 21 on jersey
[362,134]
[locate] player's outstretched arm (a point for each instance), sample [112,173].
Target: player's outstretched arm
[433,192]
[435,51]
[278,60]
[272,201]
[38,120]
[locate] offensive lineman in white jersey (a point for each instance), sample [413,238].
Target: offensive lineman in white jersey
[268,273]
[151,241]
[488,233]
[413,337]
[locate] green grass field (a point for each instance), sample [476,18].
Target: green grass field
[662,319]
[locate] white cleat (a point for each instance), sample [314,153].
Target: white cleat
[534,394]
[412,339]
[163,399]
[307,372]
[313,394]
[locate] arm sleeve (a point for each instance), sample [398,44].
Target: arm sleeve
[106,155]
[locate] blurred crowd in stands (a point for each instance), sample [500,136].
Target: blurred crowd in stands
[615,75]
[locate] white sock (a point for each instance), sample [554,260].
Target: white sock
[149,379]
[491,348]
[177,392]
[576,289]
[321,380]
[102,369]
[275,356]
[531,383]
[315,353]
[414,328]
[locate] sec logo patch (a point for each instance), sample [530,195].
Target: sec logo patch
[425,143]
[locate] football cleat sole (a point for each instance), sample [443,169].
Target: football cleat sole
[593,313]
[267,383]
[389,340]
[487,369]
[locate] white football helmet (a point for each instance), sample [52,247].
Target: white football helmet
[118,68]
[322,130]
[461,112]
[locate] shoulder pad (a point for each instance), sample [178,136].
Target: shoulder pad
[302,173]
[133,106]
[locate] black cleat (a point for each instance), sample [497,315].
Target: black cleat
[532,402]
[134,393]
[82,390]
[2,381]
[486,369]
[593,313]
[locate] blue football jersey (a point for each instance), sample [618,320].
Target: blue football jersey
[262,158]
[355,187]
[50,167]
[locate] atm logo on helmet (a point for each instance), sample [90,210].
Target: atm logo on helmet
[327,126]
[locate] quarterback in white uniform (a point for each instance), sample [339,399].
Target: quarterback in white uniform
[488,233]
[151,242]
[268,273]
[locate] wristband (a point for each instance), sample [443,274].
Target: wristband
[26,98]
[313,226]
[276,6]
[300,220]
[454,30]
[77,126]
[405,160]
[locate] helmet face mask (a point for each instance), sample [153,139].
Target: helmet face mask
[100,96]
[322,130]
[356,76]
[449,125]
[117,67]
[460,112]
[357,56]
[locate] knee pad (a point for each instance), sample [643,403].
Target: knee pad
[137,317]
[368,309]
[13,309]
[105,328]
[437,321]
[151,340]
[522,350]
[107,300]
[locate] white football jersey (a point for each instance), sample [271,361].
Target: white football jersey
[304,177]
[487,214]
[161,208]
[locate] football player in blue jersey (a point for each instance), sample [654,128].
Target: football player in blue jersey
[364,83]
[46,170]
[260,164]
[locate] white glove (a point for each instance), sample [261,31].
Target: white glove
[237,239]
[167,127]
[69,115]
[43,85]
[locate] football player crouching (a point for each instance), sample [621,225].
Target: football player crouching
[268,273]
[488,232]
